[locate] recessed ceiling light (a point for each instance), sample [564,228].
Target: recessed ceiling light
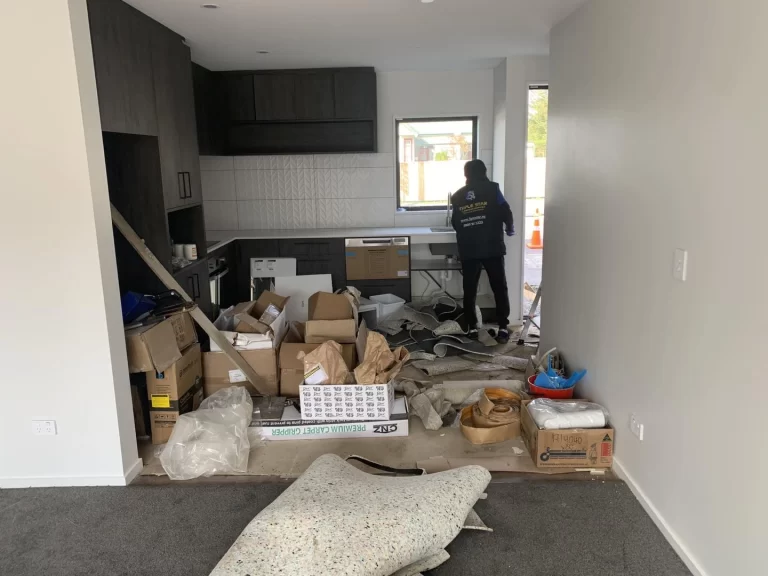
[211,6]
[427,1]
[262,51]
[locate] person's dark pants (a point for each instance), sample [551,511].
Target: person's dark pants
[494,267]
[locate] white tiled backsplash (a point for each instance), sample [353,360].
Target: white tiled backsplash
[309,191]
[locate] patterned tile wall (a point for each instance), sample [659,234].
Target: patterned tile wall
[297,192]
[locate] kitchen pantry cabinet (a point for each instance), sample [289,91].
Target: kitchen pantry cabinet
[177,128]
[122,58]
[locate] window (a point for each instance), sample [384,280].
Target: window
[431,153]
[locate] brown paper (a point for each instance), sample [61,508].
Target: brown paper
[494,418]
[379,364]
[325,364]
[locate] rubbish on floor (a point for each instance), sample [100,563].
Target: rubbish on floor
[566,447]
[463,344]
[474,522]
[291,426]
[378,364]
[506,463]
[325,365]
[512,362]
[457,392]
[211,440]
[446,365]
[557,415]
[327,518]
[494,418]
[174,392]
[268,408]
[429,404]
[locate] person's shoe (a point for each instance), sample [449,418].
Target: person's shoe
[473,334]
[503,336]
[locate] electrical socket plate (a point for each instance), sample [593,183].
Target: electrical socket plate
[44,427]
[680,271]
[636,427]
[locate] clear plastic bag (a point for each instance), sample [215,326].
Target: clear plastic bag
[558,415]
[212,439]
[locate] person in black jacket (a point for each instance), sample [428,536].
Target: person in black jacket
[481,216]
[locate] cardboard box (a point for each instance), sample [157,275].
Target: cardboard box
[367,259]
[175,391]
[325,306]
[245,332]
[319,331]
[346,401]
[569,448]
[247,314]
[220,372]
[292,369]
[292,427]
[157,346]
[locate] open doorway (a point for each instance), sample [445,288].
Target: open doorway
[535,185]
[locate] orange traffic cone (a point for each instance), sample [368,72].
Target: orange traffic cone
[537,242]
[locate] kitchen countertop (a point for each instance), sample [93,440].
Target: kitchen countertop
[419,235]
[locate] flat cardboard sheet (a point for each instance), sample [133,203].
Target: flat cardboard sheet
[156,347]
[299,289]
[220,372]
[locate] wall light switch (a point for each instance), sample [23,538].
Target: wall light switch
[680,271]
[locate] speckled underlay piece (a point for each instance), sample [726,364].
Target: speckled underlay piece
[337,520]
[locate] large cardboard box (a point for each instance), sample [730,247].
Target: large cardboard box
[247,314]
[292,427]
[157,346]
[292,369]
[367,259]
[245,332]
[326,306]
[331,317]
[220,372]
[319,331]
[570,448]
[175,391]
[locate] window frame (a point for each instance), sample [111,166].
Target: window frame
[398,121]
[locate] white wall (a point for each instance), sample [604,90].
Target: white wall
[62,349]
[657,126]
[520,73]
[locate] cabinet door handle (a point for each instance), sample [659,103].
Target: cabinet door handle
[182,185]
[191,282]
[197,286]
[188,184]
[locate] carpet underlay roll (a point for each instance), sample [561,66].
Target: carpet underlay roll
[494,418]
[338,520]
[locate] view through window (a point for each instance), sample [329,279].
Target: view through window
[535,181]
[431,153]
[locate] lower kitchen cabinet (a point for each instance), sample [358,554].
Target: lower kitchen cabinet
[194,280]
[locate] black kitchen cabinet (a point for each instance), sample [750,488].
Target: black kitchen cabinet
[355,94]
[120,36]
[208,110]
[194,280]
[317,256]
[274,97]
[314,96]
[238,90]
[288,111]
[177,129]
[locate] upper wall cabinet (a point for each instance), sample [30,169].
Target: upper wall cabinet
[285,111]
[122,51]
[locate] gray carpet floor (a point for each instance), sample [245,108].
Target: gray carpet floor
[540,529]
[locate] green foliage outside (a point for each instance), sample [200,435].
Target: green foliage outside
[537,122]
[442,155]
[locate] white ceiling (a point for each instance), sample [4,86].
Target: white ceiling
[388,34]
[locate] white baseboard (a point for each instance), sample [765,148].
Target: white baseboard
[685,555]
[70,481]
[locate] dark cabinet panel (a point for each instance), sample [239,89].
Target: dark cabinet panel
[314,96]
[274,96]
[239,97]
[355,94]
[194,280]
[189,154]
[287,137]
[120,37]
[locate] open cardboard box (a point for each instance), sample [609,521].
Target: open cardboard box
[567,448]
[241,325]
[331,317]
[155,347]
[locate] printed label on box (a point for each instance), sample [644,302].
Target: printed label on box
[161,401]
[236,376]
[402,273]
[316,376]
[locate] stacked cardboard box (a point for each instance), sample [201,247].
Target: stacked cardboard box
[168,353]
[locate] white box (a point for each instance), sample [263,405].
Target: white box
[347,401]
[299,289]
[292,427]
[388,304]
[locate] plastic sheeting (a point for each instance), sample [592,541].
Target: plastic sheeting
[212,439]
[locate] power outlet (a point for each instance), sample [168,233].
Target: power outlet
[44,427]
[637,428]
[680,270]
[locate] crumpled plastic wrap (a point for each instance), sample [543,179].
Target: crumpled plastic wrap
[325,365]
[558,415]
[212,439]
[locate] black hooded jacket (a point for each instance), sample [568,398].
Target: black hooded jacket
[480,214]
